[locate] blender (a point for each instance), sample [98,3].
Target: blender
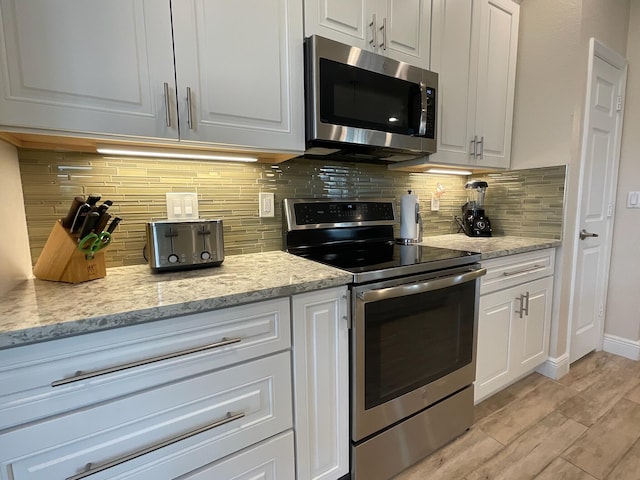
[474,223]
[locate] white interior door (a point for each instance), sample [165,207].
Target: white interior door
[599,167]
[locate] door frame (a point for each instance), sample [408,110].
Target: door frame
[596,49]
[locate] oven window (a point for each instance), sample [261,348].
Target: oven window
[354,97]
[412,340]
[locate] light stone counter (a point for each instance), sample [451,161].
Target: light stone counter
[490,247]
[38,310]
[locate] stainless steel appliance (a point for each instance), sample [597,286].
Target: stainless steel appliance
[413,330]
[361,105]
[474,222]
[184,245]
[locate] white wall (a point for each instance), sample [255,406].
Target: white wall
[15,259]
[550,96]
[623,302]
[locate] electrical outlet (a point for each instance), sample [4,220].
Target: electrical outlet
[266,203]
[435,203]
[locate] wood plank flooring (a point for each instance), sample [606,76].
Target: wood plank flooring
[585,426]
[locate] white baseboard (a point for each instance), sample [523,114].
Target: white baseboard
[555,368]
[621,346]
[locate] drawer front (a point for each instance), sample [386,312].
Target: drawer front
[271,460]
[218,413]
[152,354]
[514,270]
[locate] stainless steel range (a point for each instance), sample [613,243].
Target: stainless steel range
[413,330]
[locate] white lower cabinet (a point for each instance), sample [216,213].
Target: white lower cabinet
[204,396]
[321,384]
[514,322]
[202,418]
[159,400]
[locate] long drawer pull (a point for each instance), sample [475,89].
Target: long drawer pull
[80,375]
[524,270]
[95,468]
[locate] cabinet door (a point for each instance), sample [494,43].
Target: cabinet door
[404,28]
[321,384]
[494,350]
[496,81]
[345,21]
[454,49]
[532,331]
[88,66]
[239,68]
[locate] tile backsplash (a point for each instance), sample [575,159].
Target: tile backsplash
[525,203]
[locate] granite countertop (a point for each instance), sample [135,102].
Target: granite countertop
[38,310]
[490,247]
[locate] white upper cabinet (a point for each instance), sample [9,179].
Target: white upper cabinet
[399,29]
[241,63]
[87,66]
[107,68]
[474,49]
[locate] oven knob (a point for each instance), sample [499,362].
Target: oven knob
[205,255]
[173,258]
[481,224]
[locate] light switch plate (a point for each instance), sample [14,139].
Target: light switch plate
[266,204]
[633,200]
[182,206]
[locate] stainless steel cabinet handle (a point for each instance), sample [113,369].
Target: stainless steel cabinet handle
[481,144]
[521,311]
[584,234]
[95,468]
[374,31]
[524,305]
[383,29]
[412,289]
[189,112]
[167,106]
[473,151]
[524,270]
[95,373]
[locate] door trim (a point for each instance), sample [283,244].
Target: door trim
[601,51]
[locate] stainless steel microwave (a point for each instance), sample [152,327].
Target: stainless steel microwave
[363,104]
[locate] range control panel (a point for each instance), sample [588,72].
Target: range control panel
[339,212]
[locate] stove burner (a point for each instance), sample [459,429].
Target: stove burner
[316,230]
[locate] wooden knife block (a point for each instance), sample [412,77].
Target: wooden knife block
[61,261]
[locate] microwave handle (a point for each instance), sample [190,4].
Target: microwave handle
[422,129]
[414,288]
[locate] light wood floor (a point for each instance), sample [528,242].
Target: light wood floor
[584,426]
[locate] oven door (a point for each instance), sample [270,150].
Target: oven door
[413,344]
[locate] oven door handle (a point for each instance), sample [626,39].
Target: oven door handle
[421,287]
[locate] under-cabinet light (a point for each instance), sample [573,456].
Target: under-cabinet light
[445,171]
[166,153]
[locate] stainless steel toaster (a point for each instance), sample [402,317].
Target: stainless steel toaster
[184,245]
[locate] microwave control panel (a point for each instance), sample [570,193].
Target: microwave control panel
[430,93]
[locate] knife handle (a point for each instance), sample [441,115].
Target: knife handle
[89,224]
[71,214]
[102,222]
[113,225]
[81,216]
[92,199]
